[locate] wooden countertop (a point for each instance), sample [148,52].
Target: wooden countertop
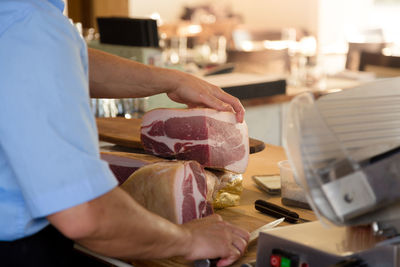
[244,215]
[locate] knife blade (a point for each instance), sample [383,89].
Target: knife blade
[255,233]
[253,236]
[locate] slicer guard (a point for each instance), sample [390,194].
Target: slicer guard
[344,150]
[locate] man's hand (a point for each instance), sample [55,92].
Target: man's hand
[115,77]
[213,238]
[196,92]
[115,225]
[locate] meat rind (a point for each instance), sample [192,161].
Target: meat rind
[175,190]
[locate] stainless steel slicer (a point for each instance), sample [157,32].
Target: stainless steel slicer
[344,149]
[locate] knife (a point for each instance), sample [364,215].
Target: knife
[277,211]
[253,236]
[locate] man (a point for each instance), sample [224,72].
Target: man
[50,171]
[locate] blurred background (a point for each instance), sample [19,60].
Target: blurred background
[332,23]
[265,51]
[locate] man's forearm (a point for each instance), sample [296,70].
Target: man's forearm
[115,225]
[115,77]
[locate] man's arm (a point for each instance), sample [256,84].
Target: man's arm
[115,225]
[115,77]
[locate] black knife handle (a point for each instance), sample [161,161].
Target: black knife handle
[206,262]
[276,211]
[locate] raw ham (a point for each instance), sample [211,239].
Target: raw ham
[175,190]
[124,164]
[223,188]
[212,138]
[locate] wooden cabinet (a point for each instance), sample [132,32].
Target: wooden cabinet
[87,11]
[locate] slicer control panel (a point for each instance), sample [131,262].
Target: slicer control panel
[282,258]
[278,251]
[312,245]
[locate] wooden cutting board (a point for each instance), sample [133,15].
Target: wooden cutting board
[231,215]
[126,132]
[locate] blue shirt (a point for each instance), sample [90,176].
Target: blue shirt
[49,156]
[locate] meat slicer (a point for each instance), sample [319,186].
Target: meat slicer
[344,149]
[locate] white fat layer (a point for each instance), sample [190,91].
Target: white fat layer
[180,176]
[162,114]
[170,142]
[198,197]
[241,165]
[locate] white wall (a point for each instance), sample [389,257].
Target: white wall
[338,18]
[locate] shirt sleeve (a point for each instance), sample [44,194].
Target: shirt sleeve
[47,128]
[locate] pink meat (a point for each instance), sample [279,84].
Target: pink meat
[212,138]
[122,172]
[124,164]
[175,190]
